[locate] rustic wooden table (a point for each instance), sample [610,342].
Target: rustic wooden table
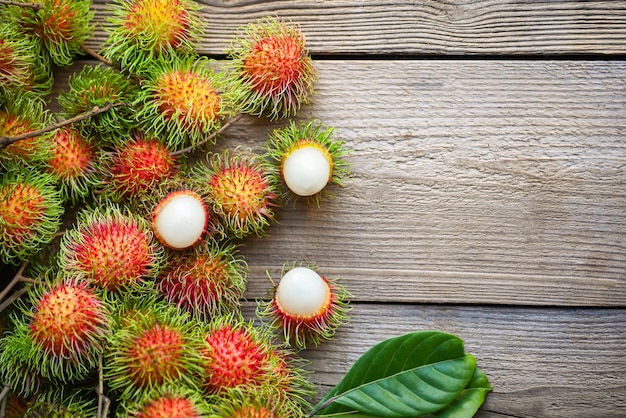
[488,188]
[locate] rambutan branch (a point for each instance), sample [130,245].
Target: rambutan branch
[5,141]
[103,401]
[208,138]
[15,296]
[16,279]
[95,55]
[4,395]
[35,6]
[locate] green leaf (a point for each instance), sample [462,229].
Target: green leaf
[469,400]
[398,362]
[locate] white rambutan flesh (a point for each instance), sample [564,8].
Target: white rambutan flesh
[180,220]
[302,292]
[306,171]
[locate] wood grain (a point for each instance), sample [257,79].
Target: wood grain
[458,27]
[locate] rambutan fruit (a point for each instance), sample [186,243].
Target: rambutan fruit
[241,356]
[19,114]
[30,213]
[155,345]
[98,86]
[306,158]
[74,164]
[63,403]
[142,30]
[60,25]
[182,100]
[307,307]
[242,191]
[169,401]
[206,281]
[16,370]
[114,250]
[255,404]
[180,219]
[136,167]
[272,69]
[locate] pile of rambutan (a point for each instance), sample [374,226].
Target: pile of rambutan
[121,225]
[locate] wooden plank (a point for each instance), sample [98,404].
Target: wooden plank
[488,27]
[540,362]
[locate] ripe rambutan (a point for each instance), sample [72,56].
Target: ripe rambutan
[306,158]
[144,29]
[241,356]
[155,345]
[29,214]
[60,25]
[255,404]
[181,219]
[98,86]
[183,100]
[242,191]
[272,69]
[74,164]
[307,307]
[136,167]
[169,401]
[116,251]
[206,281]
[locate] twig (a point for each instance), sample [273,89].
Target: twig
[208,138]
[103,401]
[16,280]
[94,54]
[3,400]
[15,296]
[35,6]
[5,141]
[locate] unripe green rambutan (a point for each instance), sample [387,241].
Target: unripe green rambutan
[242,191]
[272,69]
[74,164]
[306,307]
[137,167]
[169,401]
[113,250]
[155,345]
[19,114]
[306,158]
[30,212]
[63,403]
[99,86]
[142,30]
[16,371]
[60,25]
[182,100]
[206,281]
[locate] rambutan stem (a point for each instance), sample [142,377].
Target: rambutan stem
[208,138]
[3,399]
[15,296]
[103,401]
[94,54]
[35,6]
[5,141]
[16,279]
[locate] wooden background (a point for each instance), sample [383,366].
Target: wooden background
[487,196]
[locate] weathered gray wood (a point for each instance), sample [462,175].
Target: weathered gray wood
[540,362]
[456,27]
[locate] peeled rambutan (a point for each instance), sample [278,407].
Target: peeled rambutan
[242,191]
[307,307]
[116,251]
[136,167]
[169,401]
[141,30]
[182,100]
[306,158]
[60,25]
[155,345]
[206,281]
[272,68]
[29,214]
[98,86]
[74,164]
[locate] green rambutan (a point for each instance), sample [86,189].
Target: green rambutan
[114,250]
[242,191]
[63,403]
[155,345]
[60,25]
[306,158]
[98,86]
[272,69]
[74,164]
[182,100]
[137,167]
[169,401]
[30,212]
[307,307]
[142,30]
[16,371]
[206,281]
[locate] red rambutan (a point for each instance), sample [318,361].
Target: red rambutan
[169,401]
